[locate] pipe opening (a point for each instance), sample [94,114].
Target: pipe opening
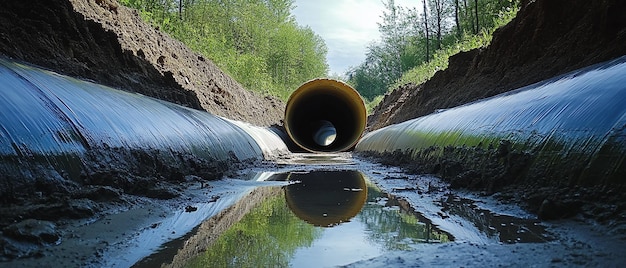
[325,115]
[326,133]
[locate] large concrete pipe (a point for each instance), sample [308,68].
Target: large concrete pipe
[325,115]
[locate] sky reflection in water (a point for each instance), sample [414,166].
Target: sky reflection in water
[324,218]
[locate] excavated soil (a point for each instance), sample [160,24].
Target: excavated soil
[103,41]
[545,39]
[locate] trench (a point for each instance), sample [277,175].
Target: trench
[327,216]
[568,130]
[325,208]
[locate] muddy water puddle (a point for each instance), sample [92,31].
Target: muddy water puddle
[503,228]
[328,217]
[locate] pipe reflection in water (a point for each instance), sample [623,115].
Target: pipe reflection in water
[327,218]
[326,198]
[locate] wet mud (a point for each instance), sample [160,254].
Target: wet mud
[123,229]
[41,198]
[514,175]
[478,220]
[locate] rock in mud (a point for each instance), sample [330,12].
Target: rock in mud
[100,193]
[34,231]
[162,192]
[69,209]
[554,209]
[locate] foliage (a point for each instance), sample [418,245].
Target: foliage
[370,105]
[266,237]
[257,42]
[408,36]
[425,71]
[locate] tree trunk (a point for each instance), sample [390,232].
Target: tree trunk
[456,18]
[180,9]
[465,8]
[439,14]
[468,16]
[427,37]
[476,13]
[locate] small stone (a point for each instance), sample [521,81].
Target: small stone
[190,209]
[34,231]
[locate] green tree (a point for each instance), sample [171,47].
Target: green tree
[258,42]
[408,35]
[441,14]
[397,52]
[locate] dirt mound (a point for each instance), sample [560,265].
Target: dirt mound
[103,41]
[547,38]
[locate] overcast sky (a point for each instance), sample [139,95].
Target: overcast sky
[347,27]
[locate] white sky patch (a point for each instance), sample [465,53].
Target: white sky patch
[347,27]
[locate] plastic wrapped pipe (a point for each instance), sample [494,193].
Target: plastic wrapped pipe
[44,115]
[570,128]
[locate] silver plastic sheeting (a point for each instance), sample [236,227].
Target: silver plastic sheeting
[573,122]
[46,114]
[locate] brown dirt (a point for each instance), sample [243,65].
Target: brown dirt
[102,41]
[506,174]
[547,38]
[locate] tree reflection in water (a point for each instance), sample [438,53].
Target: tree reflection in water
[299,225]
[266,237]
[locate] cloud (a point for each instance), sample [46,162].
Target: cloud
[347,26]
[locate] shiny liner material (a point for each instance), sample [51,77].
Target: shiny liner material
[572,126]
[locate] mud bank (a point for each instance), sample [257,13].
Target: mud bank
[108,43]
[479,230]
[549,200]
[149,232]
[575,242]
[547,38]
[128,229]
[109,181]
[75,150]
[557,145]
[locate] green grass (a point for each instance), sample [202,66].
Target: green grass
[424,72]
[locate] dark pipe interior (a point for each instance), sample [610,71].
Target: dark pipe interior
[319,108]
